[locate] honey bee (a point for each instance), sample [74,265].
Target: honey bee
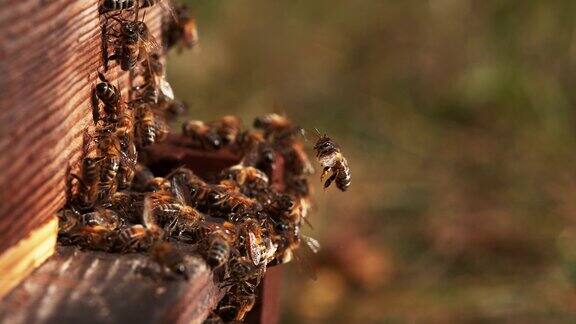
[332,160]
[247,176]
[202,135]
[182,30]
[125,204]
[251,233]
[116,5]
[145,124]
[192,187]
[236,305]
[88,187]
[110,96]
[168,257]
[111,151]
[142,177]
[219,238]
[136,238]
[226,198]
[132,44]
[105,218]
[67,223]
[228,128]
[244,273]
[272,123]
[256,150]
[171,214]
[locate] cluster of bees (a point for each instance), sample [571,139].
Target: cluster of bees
[240,222]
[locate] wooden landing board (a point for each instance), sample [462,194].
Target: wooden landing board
[92,287]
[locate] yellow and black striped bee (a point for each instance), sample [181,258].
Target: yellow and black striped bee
[332,160]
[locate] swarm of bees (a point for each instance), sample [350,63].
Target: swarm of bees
[240,222]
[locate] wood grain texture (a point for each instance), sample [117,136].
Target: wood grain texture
[49,54]
[93,287]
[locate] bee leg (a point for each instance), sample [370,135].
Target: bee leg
[324,173]
[329,181]
[95,107]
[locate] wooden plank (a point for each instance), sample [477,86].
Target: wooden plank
[20,260]
[93,287]
[49,54]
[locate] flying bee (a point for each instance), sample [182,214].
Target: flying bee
[202,135]
[332,160]
[110,96]
[133,42]
[181,31]
[168,257]
[88,187]
[228,128]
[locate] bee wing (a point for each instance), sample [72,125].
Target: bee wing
[149,44]
[166,88]
[253,248]
[312,243]
[304,264]
[180,191]
[148,213]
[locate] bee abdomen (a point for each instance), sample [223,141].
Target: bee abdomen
[343,178]
[112,5]
[218,253]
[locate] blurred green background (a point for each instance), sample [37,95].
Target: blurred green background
[458,121]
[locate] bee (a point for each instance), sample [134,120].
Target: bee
[228,128]
[202,135]
[242,271]
[136,238]
[296,160]
[145,123]
[251,232]
[67,223]
[236,306]
[182,30]
[88,187]
[272,123]
[193,188]
[142,178]
[332,160]
[105,218]
[111,151]
[219,238]
[168,257]
[110,96]
[132,44]
[256,150]
[126,205]
[171,214]
[117,5]
[126,170]
[225,198]
[247,176]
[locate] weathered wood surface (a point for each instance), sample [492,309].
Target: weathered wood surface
[92,287]
[49,54]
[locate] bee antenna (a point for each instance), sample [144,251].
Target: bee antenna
[317,132]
